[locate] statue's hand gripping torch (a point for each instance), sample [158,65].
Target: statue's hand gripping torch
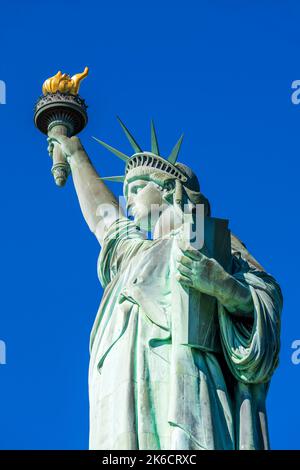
[61,111]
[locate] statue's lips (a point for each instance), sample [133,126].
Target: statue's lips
[133,212]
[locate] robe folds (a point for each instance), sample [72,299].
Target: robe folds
[145,391]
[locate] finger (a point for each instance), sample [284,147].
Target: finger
[51,139]
[192,253]
[186,247]
[50,149]
[56,138]
[184,271]
[185,260]
[183,279]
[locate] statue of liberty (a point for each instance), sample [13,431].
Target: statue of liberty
[184,346]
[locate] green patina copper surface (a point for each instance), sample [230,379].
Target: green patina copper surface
[186,339]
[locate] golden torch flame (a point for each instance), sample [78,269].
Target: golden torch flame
[64,83]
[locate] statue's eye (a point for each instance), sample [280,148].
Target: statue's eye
[137,188]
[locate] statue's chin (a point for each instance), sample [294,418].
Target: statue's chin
[143,223]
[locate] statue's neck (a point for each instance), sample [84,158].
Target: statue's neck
[169,220]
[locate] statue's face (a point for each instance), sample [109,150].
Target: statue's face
[144,202]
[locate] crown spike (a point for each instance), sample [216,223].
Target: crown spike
[113,150]
[154,141]
[174,154]
[130,137]
[115,179]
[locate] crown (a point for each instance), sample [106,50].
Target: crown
[144,158]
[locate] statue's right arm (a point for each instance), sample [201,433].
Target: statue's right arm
[98,204]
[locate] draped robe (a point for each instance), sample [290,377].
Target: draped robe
[146,392]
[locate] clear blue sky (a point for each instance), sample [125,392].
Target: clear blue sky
[221,71]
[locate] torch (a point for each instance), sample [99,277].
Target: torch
[61,111]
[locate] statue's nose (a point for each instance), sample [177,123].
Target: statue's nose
[130,200]
[130,205]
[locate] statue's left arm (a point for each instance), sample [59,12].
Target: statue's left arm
[249,310]
[209,277]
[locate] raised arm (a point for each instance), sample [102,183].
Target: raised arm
[98,204]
